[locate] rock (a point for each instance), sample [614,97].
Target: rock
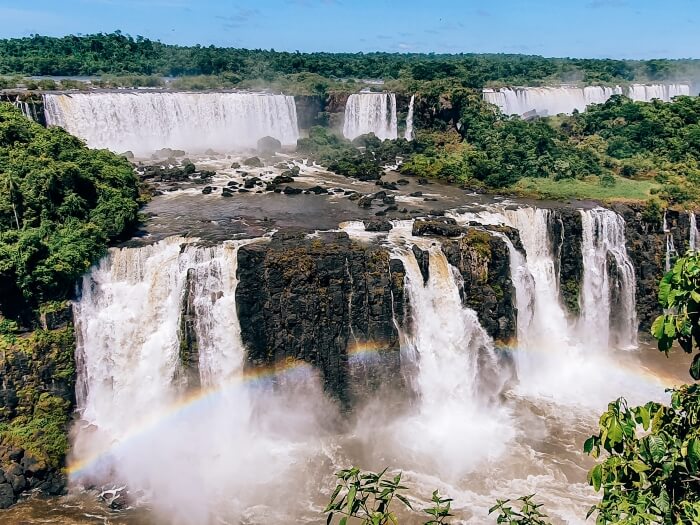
[283,179]
[317,190]
[423,260]
[377,225]
[207,190]
[251,182]
[235,165]
[211,152]
[226,192]
[380,195]
[189,168]
[380,213]
[389,199]
[402,182]
[232,184]
[127,155]
[391,207]
[253,162]
[288,190]
[58,316]
[243,190]
[416,194]
[423,181]
[7,495]
[269,145]
[353,196]
[444,228]
[365,201]
[388,185]
[19,483]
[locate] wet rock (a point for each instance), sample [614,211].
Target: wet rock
[226,192]
[416,194]
[251,182]
[353,195]
[423,181]
[289,190]
[402,182]
[232,184]
[365,201]
[430,199]
[7,495]
[317,190]
[243,190]
[283,179]
[423,260]
[377,225]
[443,228]
[380,213]
[253,162]
[269,145]
[388,185]
[389,199]
[127,155]
[235,165]
[207,190]
[211,152]
[391,207]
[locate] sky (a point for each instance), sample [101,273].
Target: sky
[563,28]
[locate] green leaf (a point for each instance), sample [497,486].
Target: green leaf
[657,327]
[657,447]
[595,477]
[343,521]
[588,445]
[670,328]
[351,499]
[615,432]
[694,455]
[665,289]
[695,368]
[404,501]
[639,466]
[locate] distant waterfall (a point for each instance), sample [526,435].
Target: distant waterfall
[670,245]
[408,135]
[25,108]
[371,113]
[608,308]
[555,100]
[145,122]
[693,240]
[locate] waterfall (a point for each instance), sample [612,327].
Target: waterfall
[670,245]
[25,108]
[409,120]
[185,451]
[145,122]
[693,240]
[566,99]
[607,298]
[454,366]
[371,113]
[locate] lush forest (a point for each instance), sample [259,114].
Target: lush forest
[119,54]
[60,204]
[621,148]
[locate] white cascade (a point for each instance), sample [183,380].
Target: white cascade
[138,427]
[670,245]
[24,108]
[565,99]
[371,113]
[408,135]
[604,323]
[454,363]
[145,122]
[693,240]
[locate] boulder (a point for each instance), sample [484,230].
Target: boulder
[288,190]
[377,225]
[207,190]
[443,228]
[7,495]
[269,145]
[253,162]
[365,201]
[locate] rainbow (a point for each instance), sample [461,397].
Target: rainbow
[289,368]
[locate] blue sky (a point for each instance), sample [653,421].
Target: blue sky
[578,28]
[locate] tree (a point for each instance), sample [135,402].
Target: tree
[651,467]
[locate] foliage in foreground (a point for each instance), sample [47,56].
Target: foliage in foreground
[368,496]
[529,513]
[651,469]
[60,205]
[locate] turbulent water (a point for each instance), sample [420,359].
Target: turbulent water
[231,445]
[371,113]
[555,100]
[145,122]
[25,108]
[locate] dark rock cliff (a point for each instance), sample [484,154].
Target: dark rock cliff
[566,234]
[483,261]
[36,399]
[322,300]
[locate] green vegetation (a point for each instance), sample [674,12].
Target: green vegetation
[367,497]
[651,469]
[589,187]
[529,513]
[121,55]
[60,205]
